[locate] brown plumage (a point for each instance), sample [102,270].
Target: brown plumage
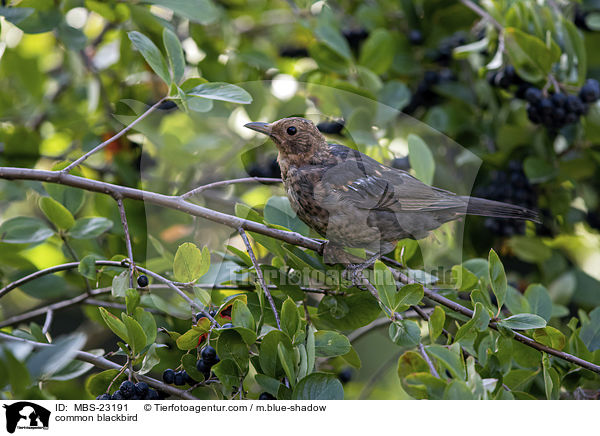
[355,201]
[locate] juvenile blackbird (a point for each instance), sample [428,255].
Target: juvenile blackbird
[354,201]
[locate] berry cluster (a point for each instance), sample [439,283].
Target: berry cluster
[130,391]
[511,187]
[557,110]
[443,53]
[425,95]
[208,360]
[553,110]
[177,378]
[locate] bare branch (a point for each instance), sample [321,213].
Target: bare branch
[101,362]
[428,360]
[259,273]
[199,189]
[483,14]
[112,139]
[127,238]
[48,321]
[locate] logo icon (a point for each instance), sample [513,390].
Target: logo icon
[26,415]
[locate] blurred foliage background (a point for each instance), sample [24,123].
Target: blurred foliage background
[370,72]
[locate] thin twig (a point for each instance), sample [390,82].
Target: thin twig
[48,321]
[199,189]
[112,139]
[428,360]
[482,13]
[127,238]
[101,362]
[261,279]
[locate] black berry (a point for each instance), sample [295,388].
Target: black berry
[127,389]
[179,378]
[169,376]
[533,95]
[574,105]
[117,396]
[209,354]
[331,127]
[104,397]
[266,396]
[415,37]
[345,375]
[188,379]
[142,281]
[401,163]
[152,395]
[590,91]
[141,389]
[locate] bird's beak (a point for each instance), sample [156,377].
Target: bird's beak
[260,127]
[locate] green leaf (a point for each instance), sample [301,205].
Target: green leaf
[458,390]
[531,57]
[198,11]
[451,359]
[221,91]
[408,295]
[497,278]
[228,373]
[349,312]
[436,323]
[385,284]
[174,54]
[56,213]
[290,320]
[278,211]
[115,324]
[329,344]
[530,249]
[352,358]
[98,383]
[188,265]
[539,301]
[333,39]
[87,267]
[269,384]
[135,333]
[70,197]
[189,364]
[90,228]
[268,356]
[318,386]
[421,159]
[411,362]
[550,337]
[189,340]
[405,333]
[590,332]
[24,230]
[151,54]
[230,345]
[150,360]
[524,321]
[241,316]
[465,280]
[377,52]
[49,360]
[479,320]
[287,362]
[132,299]
[16,15]
[120,284]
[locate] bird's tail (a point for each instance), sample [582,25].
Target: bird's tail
[497,209]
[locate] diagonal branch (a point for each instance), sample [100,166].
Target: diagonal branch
[199,189]
[482,13]
[127,238]
[259,273]
[112,139]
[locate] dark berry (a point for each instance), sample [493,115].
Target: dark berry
[431,77]
[266,396]
[117,396]
[574,105]
[141,389]
[502,80]
[167,105]
[559,99]
[142,281]
[401,163]
[345,375]
[274,169]
[212,312]
[533,114]
[571,118]
[533,95]
[188,379]
[127,389]
[199,316]
[331,127]
[580,18]
[559,115]
[293,52]
[169,376]
[152,395]
[179,378]
[415,37]
[446,75]
[511,74]
[355,37]
[546,106]
[209,354]
[256,170]
[590,91]
[104,397]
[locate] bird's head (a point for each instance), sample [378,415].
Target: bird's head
[293,135]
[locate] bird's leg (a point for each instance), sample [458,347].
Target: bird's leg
[354,270]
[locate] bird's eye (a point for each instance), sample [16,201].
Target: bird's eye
[291,130]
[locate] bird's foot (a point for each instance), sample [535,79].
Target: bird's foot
[354,272]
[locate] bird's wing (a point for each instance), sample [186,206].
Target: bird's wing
[356,179]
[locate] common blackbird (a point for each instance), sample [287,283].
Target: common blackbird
[355,201]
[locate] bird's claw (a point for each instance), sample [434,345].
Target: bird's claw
[354,273]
